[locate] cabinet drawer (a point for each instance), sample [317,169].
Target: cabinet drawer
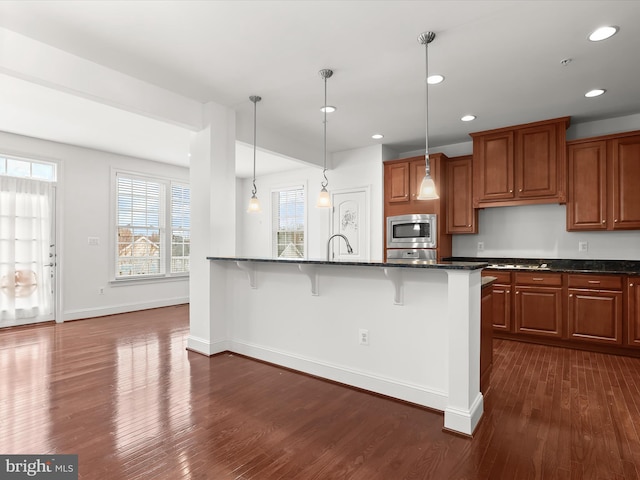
[531,278]
[501,275]
[604,282]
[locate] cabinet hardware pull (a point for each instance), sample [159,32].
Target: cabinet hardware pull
[594,281]
[603,221]
[616,220]
[571,295]
[538,279]
[510,191]
[520,190]
[509,291]
[631,284]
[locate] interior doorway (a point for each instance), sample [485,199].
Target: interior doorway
[350,217]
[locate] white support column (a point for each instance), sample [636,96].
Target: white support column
[213,225]
[465,403]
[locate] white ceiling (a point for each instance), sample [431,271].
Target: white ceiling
[501,61]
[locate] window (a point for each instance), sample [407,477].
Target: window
[153,227]
[21,167]
[288,214]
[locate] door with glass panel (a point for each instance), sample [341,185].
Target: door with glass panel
[27,247]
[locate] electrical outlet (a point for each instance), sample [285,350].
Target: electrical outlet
[364,336]
[101,291]
[481,246]
[583,246]
[93,241]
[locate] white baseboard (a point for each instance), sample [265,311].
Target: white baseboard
[201,345]
[464,421]
[81,313]
[404,391]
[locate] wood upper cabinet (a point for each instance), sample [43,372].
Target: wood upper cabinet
[461,216]
[604,174]
[625,156]
[595,308]
[520,165]
[402,180]
[538,304]
[587,202]
[632,336]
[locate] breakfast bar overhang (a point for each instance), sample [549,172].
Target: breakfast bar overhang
[408,331]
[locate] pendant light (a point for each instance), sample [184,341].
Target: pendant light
[324,199]
[427,186]
[254,204]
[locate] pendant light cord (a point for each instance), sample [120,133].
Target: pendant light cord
[255,99]
[426,38]
[324,122]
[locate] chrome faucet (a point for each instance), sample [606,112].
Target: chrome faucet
[349,249]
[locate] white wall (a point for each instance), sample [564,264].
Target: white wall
[84,201]
[351,169]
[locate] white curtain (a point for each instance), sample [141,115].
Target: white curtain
[25,244]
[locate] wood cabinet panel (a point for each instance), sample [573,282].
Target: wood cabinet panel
[632,336]
[486,337]
[587,203]
[625,156]
[397,182]
[519,165]
[604,174]
[461,216]
[536,161]
[606,282]
[538,311]
[535,278]
[595,316]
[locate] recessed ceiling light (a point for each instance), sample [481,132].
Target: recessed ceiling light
[596,92]
[434,79]
[603,33]
[377,136]
[468,118]
[328,109]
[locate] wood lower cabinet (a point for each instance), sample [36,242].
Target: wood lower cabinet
[595,308]
[632,334]
[461,216]
[520,165]
[538,304]
[501,301]
[604,174]
[486,337]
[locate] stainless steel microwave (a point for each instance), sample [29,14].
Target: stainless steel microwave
[412,231]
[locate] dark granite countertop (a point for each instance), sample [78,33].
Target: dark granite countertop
[626,267]
[447,265]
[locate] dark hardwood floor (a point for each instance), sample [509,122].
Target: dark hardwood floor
[124,394]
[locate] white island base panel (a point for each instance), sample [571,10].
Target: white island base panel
[422,326]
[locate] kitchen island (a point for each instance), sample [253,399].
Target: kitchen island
[408,331]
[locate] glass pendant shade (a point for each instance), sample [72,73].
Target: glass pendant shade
[254,205]
[324,199]
[427,189]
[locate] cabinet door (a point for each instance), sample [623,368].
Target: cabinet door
[538,311]
[417,169]
[493,155]
[595,316]
[397,182]
[587,202]
[625,157]
[536,161]
[461,216]
[633,313]
[501,308]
